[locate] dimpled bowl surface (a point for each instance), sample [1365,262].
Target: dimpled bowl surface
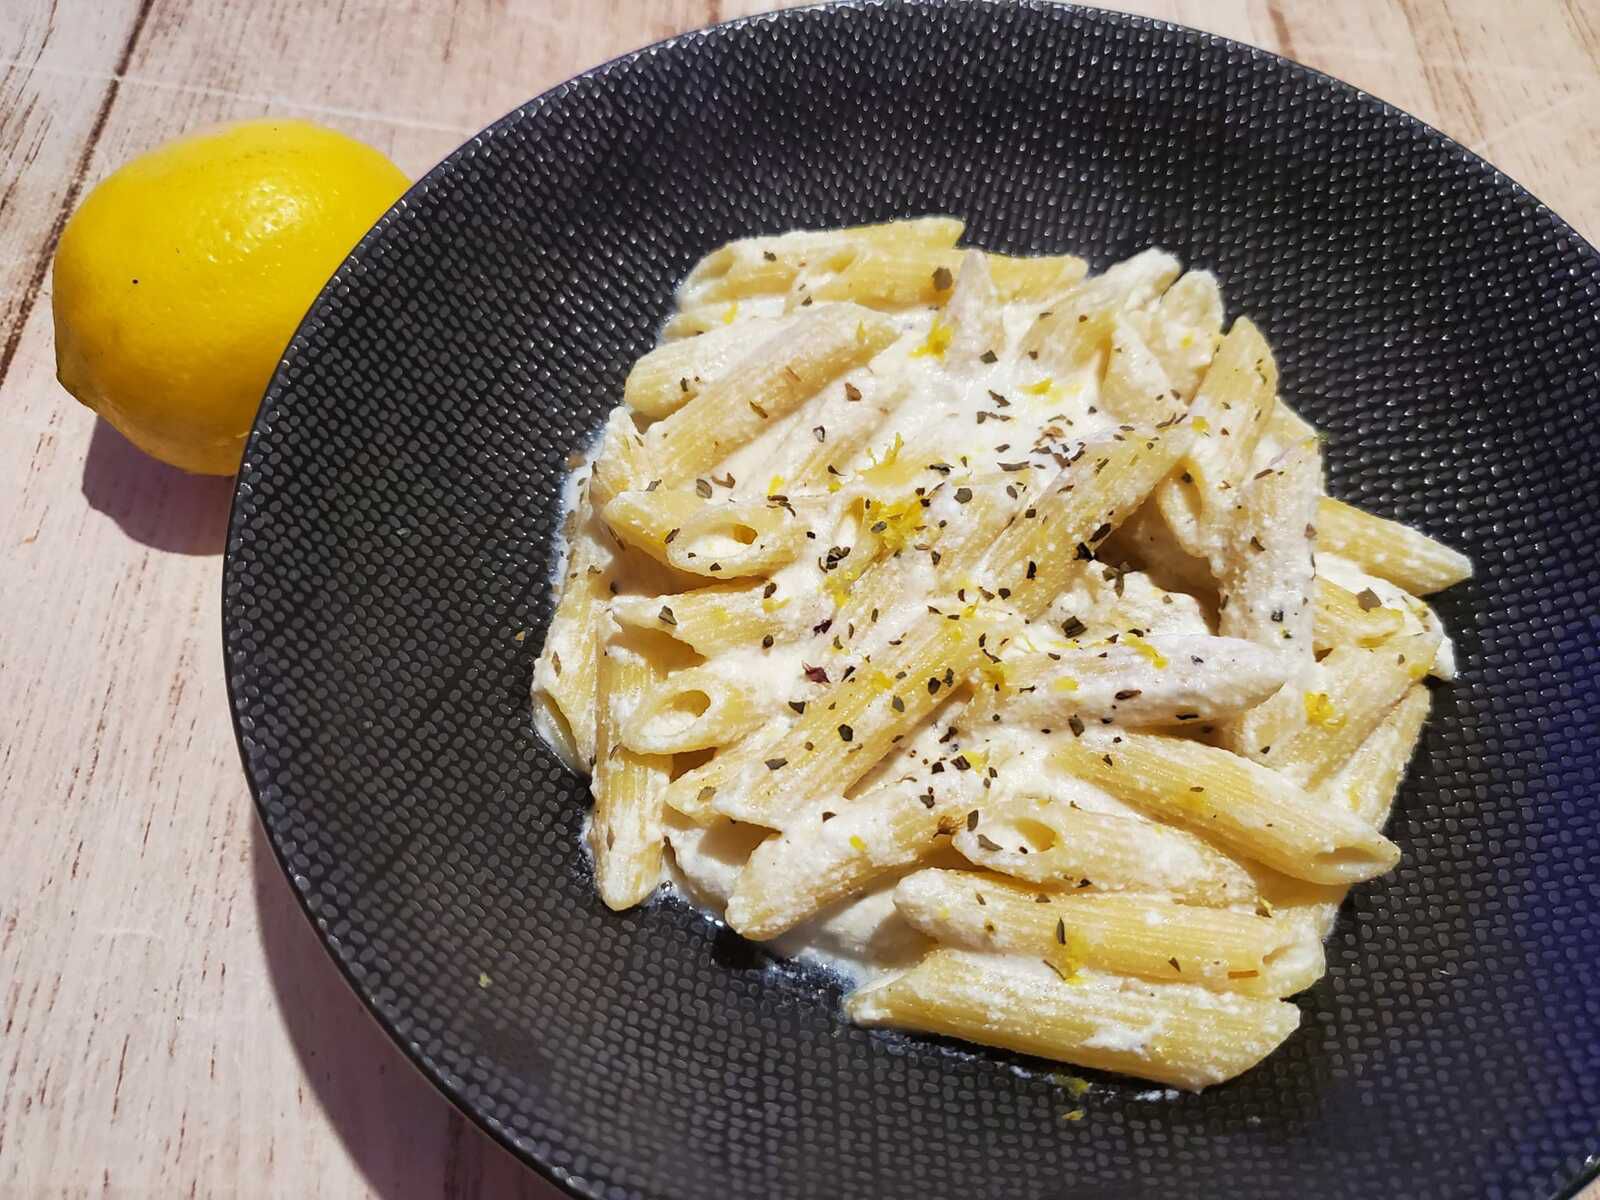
[395,521]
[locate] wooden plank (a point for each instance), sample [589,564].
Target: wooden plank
[57,84]
[167,1010]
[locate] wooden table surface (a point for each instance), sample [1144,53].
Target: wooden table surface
[171,1026]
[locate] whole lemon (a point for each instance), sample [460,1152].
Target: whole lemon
[182,277]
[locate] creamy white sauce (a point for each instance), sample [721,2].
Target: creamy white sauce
[926,412]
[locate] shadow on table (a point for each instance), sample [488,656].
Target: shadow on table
[155,504]
[408,1141]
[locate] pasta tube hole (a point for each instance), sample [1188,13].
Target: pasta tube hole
[1035,836]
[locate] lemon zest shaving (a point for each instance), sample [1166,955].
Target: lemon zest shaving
[1202,426]
[1064,683]
[1136,643]
[857,844]
[775,485]
[937,342]
[1042,388]
[889,470]
[1320,711]
[731,313]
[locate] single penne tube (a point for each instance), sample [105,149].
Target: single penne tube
[847,730]
[699,708]
[1050,841]
[625,831]
[674,373]
[974,314]
[1133,283]
[1135,387]
[1285,427]
[1068,340]
[1311,907]
[714,538]
[768,265]
[1183,330]
[894,278]
[697,320]
[1082,318]
[815,348]
[840,422]
[1176,1034]
[1229,413]
[620,463]
[1035,557]
[1370,777]
[1034,278]
[716,619]
[564,675]
[1308,733]
[1155,679]
[1232,802]
[690,794]
[1149,936]
[1346,618]
[1265,574]
[1389,550]
[833,848]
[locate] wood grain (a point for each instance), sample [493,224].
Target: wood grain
[170,1025]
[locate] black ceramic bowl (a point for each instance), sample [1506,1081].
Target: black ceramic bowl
[387,589]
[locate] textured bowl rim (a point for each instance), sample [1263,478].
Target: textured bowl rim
[555,1172]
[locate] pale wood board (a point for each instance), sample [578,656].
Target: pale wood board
[170,1024]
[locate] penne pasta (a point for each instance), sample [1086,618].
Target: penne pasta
[674,373]
[1346,618]
[847,730]
[1035,557]
[1229,414]
[713,620]
[620,464]
[1307,733]
[974,313]
[717,539]
[1369,778]
[1234,803]
[1136,387]
[956,615]
[1054,843]
[766,265]
[1179,679]
[1147,936]
[892,278]
[692,709]
[564,676]
[1188,1037]
[1266,575]
[625,831]
[1389,550]
[1184,330]
[816,348]
[834,848]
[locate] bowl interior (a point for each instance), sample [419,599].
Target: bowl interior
[387,588]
